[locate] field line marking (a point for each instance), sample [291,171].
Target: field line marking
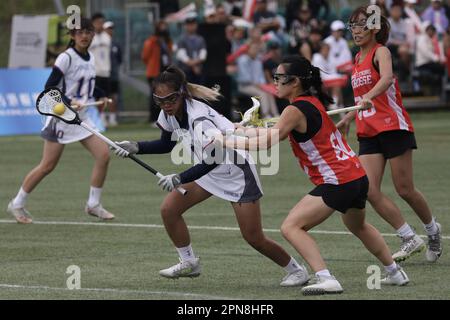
[120,291]
[159,226]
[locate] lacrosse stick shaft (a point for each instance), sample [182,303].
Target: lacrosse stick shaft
[132,157]
[95,103]
[342,110]
[330,113]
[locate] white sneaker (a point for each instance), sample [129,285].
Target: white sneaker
[397,278]
[20,214]
[409,247]
[322,285]
[188,268]
[296,278]
[99,212]
[434,246]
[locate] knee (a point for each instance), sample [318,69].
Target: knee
[103,157]
[256,240]
[374,195]
[288,228]
[405,191]
[47,167]
[166,211]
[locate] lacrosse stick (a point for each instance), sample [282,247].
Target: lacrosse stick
[50,103]
[95,103]
[270,122]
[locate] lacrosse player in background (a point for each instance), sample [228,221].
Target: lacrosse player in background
[186,117]
[386,134]
[74,72]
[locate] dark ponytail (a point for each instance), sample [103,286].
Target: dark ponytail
[309,76]
[175,78]
[316,83]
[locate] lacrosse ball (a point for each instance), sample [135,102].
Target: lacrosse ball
[59,109]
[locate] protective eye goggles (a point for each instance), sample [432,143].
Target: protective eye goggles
[280,78]
[358,26]
[171,98]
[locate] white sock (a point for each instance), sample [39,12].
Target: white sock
[323,273]
[405,231]
[292,266]
[20,199]
[112,117]
[431,228]
[186,253]
[94,197]
[391,268]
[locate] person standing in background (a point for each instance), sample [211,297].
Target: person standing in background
[116,61]
[101,50]
[214,68]
[191,51]
[156,55]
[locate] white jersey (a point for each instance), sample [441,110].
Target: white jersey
[236,178]
[100,48]
[78,83]
[339,51]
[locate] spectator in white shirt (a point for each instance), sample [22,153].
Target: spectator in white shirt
[398,42]
[340,56]
[331,79]
[430,57]
[250,79]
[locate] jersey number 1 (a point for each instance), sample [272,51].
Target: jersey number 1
[90,88]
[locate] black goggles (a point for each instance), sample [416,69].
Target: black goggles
[171,98]
[281,78]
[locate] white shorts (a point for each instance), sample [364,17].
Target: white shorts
[235,183]
[56,130]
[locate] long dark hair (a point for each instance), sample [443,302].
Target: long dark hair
[85,24]
[309,76]
[175,78]
[381,36]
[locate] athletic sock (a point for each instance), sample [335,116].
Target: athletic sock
[405,231]
[94,197]
[186,253]
[431,228]
[323,273]
[292,266]
[391,268]
[20,199]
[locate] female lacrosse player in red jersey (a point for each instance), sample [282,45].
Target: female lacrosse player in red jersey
[74,70]
[186,116]
[324,155]
[385,133]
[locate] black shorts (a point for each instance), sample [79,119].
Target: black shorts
[345,196]
[104,84]
[390,143]
[114,86]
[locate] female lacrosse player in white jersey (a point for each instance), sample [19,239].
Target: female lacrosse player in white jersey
[184,116]
[74,73]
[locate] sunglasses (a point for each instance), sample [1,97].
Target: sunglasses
[171,98]
[281,78]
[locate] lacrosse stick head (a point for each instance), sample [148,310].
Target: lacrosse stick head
[252,114]
[50,102]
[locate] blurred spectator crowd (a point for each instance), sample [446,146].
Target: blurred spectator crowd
[236,46]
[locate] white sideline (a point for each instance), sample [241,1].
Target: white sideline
[143,292]
[159,226]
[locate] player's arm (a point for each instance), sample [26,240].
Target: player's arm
[163,145]
[291,118]
[53,81]
[383,60]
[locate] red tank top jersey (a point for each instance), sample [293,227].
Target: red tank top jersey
[326,157]
[388,112]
